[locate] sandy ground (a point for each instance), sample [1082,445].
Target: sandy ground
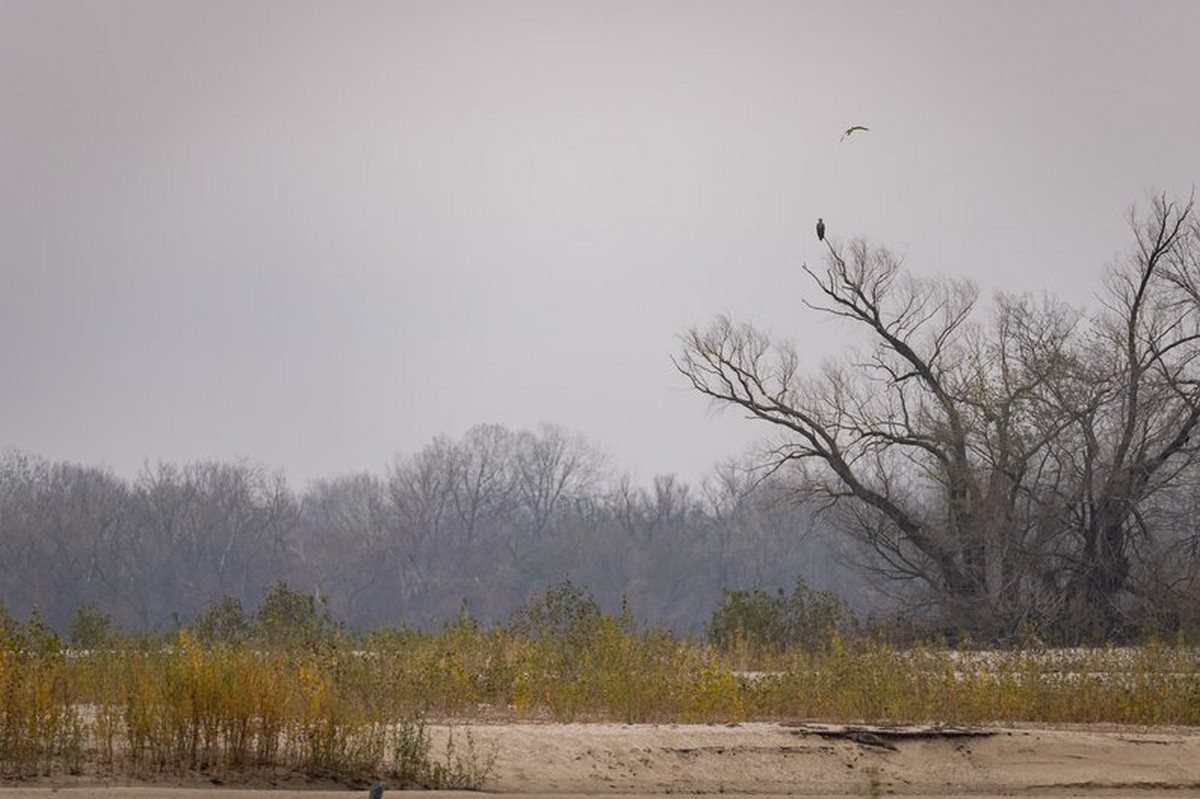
[766,759]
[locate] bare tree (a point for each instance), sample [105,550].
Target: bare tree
[59,523]
[343,546]
[483,486]
[999,463]
[210,529]
[553,466]
[419,490]
[884,439]
[1132,433]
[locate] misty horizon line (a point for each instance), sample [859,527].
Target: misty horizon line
[605,471]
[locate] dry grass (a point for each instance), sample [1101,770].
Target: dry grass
[353,713]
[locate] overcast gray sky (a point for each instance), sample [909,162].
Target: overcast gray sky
[316,235]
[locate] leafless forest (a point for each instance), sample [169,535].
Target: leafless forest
[482,523]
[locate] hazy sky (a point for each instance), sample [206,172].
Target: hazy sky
[316,235]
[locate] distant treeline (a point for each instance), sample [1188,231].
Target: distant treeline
[478,523]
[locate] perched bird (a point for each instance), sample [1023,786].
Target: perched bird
[851,130]
[376,791]
[820,230]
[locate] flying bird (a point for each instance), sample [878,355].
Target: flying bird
[820,230]
[850,131]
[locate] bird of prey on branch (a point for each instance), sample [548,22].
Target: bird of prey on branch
[820,229]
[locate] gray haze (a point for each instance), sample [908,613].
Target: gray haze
[315,235]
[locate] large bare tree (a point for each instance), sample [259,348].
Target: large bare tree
[1132,431]
[998,459]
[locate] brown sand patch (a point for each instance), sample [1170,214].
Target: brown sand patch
[764,759]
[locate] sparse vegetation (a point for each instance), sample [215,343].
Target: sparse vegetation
[351,712]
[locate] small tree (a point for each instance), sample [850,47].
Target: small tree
[92,628]
[223,622]
[289,619]
[563,612]
[777,621]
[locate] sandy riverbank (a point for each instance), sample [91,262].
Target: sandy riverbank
[769,759]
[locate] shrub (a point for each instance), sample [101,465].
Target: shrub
[224,622]
[564,612]
[774,623]
[288,618]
